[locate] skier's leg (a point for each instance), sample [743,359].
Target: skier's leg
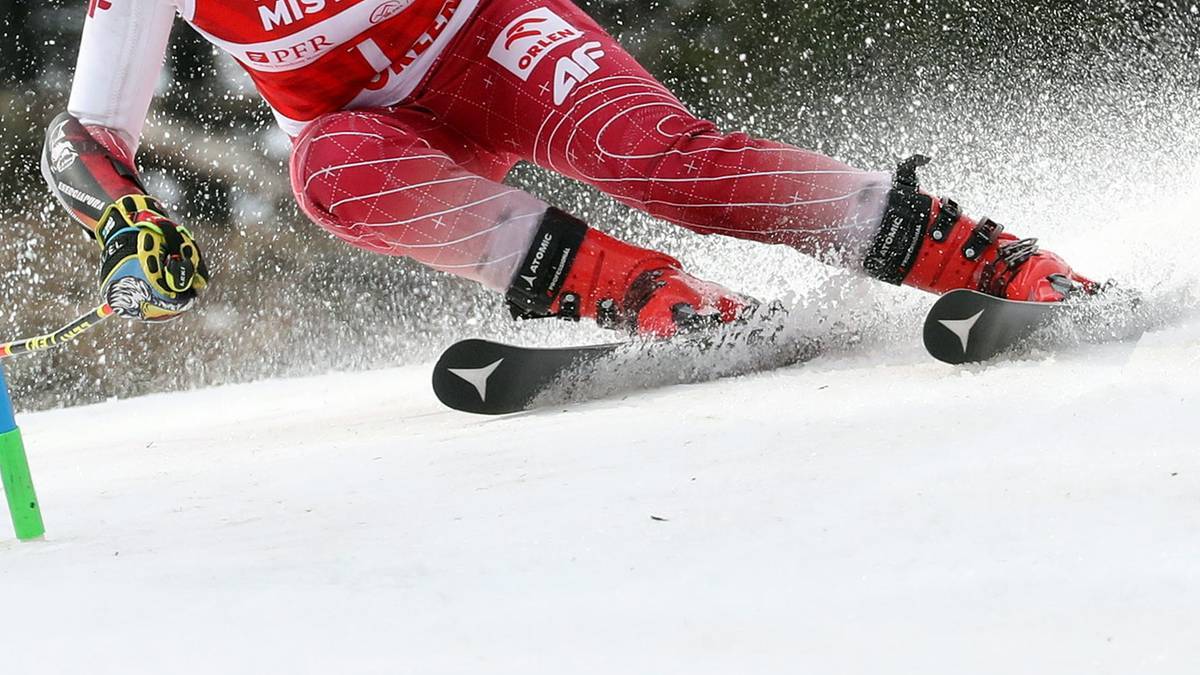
[401,183]
[542,80]
[386,181]
[560,91]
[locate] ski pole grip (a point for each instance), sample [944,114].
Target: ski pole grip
[14,471]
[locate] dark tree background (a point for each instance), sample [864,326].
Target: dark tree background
[863,81]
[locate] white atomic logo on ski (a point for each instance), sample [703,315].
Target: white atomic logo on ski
[477,377]
[529,39]
[962,328]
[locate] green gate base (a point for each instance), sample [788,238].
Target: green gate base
[18,487]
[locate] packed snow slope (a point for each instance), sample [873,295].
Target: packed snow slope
[857,514]
[871,511]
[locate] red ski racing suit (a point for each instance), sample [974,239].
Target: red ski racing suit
[407,115]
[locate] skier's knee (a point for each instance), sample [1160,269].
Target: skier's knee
[342,138]
[331,148]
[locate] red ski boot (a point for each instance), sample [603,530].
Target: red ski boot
[573,272]
[928,243]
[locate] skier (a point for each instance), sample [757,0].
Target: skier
[407,114]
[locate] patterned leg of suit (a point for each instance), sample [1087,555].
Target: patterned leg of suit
[422,179]
[584,107]
[398,182]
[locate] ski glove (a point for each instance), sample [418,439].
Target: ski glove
[150,267]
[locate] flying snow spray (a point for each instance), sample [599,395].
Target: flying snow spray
[14,470]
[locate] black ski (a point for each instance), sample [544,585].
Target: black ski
[967,326]
[491,378]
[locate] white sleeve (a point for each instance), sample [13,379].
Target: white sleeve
[120,58]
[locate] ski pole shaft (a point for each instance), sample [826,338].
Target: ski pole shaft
[59,337]
[14,473]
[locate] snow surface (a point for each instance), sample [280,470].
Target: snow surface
[858,514]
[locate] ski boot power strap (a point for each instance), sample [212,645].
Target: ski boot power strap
[914,222]
[896,245]
[537,285]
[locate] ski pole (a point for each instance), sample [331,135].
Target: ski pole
[59,337]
